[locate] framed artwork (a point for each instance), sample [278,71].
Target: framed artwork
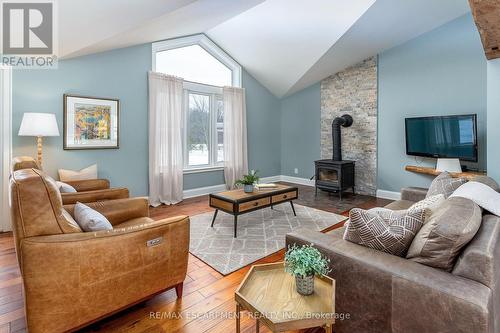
[91,122]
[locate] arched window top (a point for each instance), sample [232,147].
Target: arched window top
[196,58]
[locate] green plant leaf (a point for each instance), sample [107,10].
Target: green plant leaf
[305,261]
[250,179]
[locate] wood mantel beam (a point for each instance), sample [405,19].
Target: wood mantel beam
[487,16]
[433,172]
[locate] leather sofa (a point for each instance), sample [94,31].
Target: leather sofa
[91,190]
[385,293]
[73,278]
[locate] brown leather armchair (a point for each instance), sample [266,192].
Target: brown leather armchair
[73,278]
[91,190]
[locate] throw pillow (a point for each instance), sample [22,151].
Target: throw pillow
[487,181]
[73,225]
[89,219]
[429,204]
[65,188]
[450,227]
[392,233]
[84,174]
[445,184]
[483,195]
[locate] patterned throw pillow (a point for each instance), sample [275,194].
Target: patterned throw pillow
[387,231]
[445,184]
[430,204]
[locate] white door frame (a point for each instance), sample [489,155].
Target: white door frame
[5,145]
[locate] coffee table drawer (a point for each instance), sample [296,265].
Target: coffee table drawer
[221,204]
[254,204]
[285,196]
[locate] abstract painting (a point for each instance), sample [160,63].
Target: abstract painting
[90,122]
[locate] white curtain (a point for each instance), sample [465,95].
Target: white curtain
[5,144]
[235,135]
[165,139]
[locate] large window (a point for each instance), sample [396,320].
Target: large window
[203,142]
[205,69]
[195,64]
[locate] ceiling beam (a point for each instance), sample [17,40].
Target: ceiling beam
[486,14]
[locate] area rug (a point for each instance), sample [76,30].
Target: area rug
[260,233]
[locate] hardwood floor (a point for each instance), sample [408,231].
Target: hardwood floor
[208,297]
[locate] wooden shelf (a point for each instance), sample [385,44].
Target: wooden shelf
[434,172]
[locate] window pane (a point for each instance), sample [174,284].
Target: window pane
[220,130]
[198,133]
[193,63]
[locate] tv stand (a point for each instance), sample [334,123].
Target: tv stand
[434,172]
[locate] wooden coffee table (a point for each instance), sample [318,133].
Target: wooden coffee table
[237,202]
[269,293]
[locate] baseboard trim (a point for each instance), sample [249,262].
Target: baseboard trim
[297,180]
[197,192]
[271,179]
[388,195]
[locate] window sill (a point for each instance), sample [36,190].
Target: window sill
[204,169]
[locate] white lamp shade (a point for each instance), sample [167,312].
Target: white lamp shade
[39,124]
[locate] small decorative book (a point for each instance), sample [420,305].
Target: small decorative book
[266,186]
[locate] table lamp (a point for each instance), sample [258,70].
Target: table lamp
[39,125]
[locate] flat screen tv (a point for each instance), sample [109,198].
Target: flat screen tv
[442,137]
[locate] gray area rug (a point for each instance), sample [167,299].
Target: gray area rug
[260,233]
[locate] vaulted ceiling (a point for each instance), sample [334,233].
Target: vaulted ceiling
[286,45]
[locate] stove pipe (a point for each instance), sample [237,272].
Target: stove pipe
[344,121]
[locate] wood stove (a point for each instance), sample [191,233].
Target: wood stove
[334,176]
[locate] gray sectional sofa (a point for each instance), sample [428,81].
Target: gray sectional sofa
[379,292]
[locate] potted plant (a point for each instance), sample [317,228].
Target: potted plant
[304,263]
[248,181]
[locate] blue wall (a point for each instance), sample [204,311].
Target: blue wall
[301,132]
[494,119]
[122,74]
[439,73]
[442,72]
[263,127]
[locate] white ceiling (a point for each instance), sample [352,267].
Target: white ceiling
[279,40]
[386,24]
[85,22]
[146,21]
[286,45]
